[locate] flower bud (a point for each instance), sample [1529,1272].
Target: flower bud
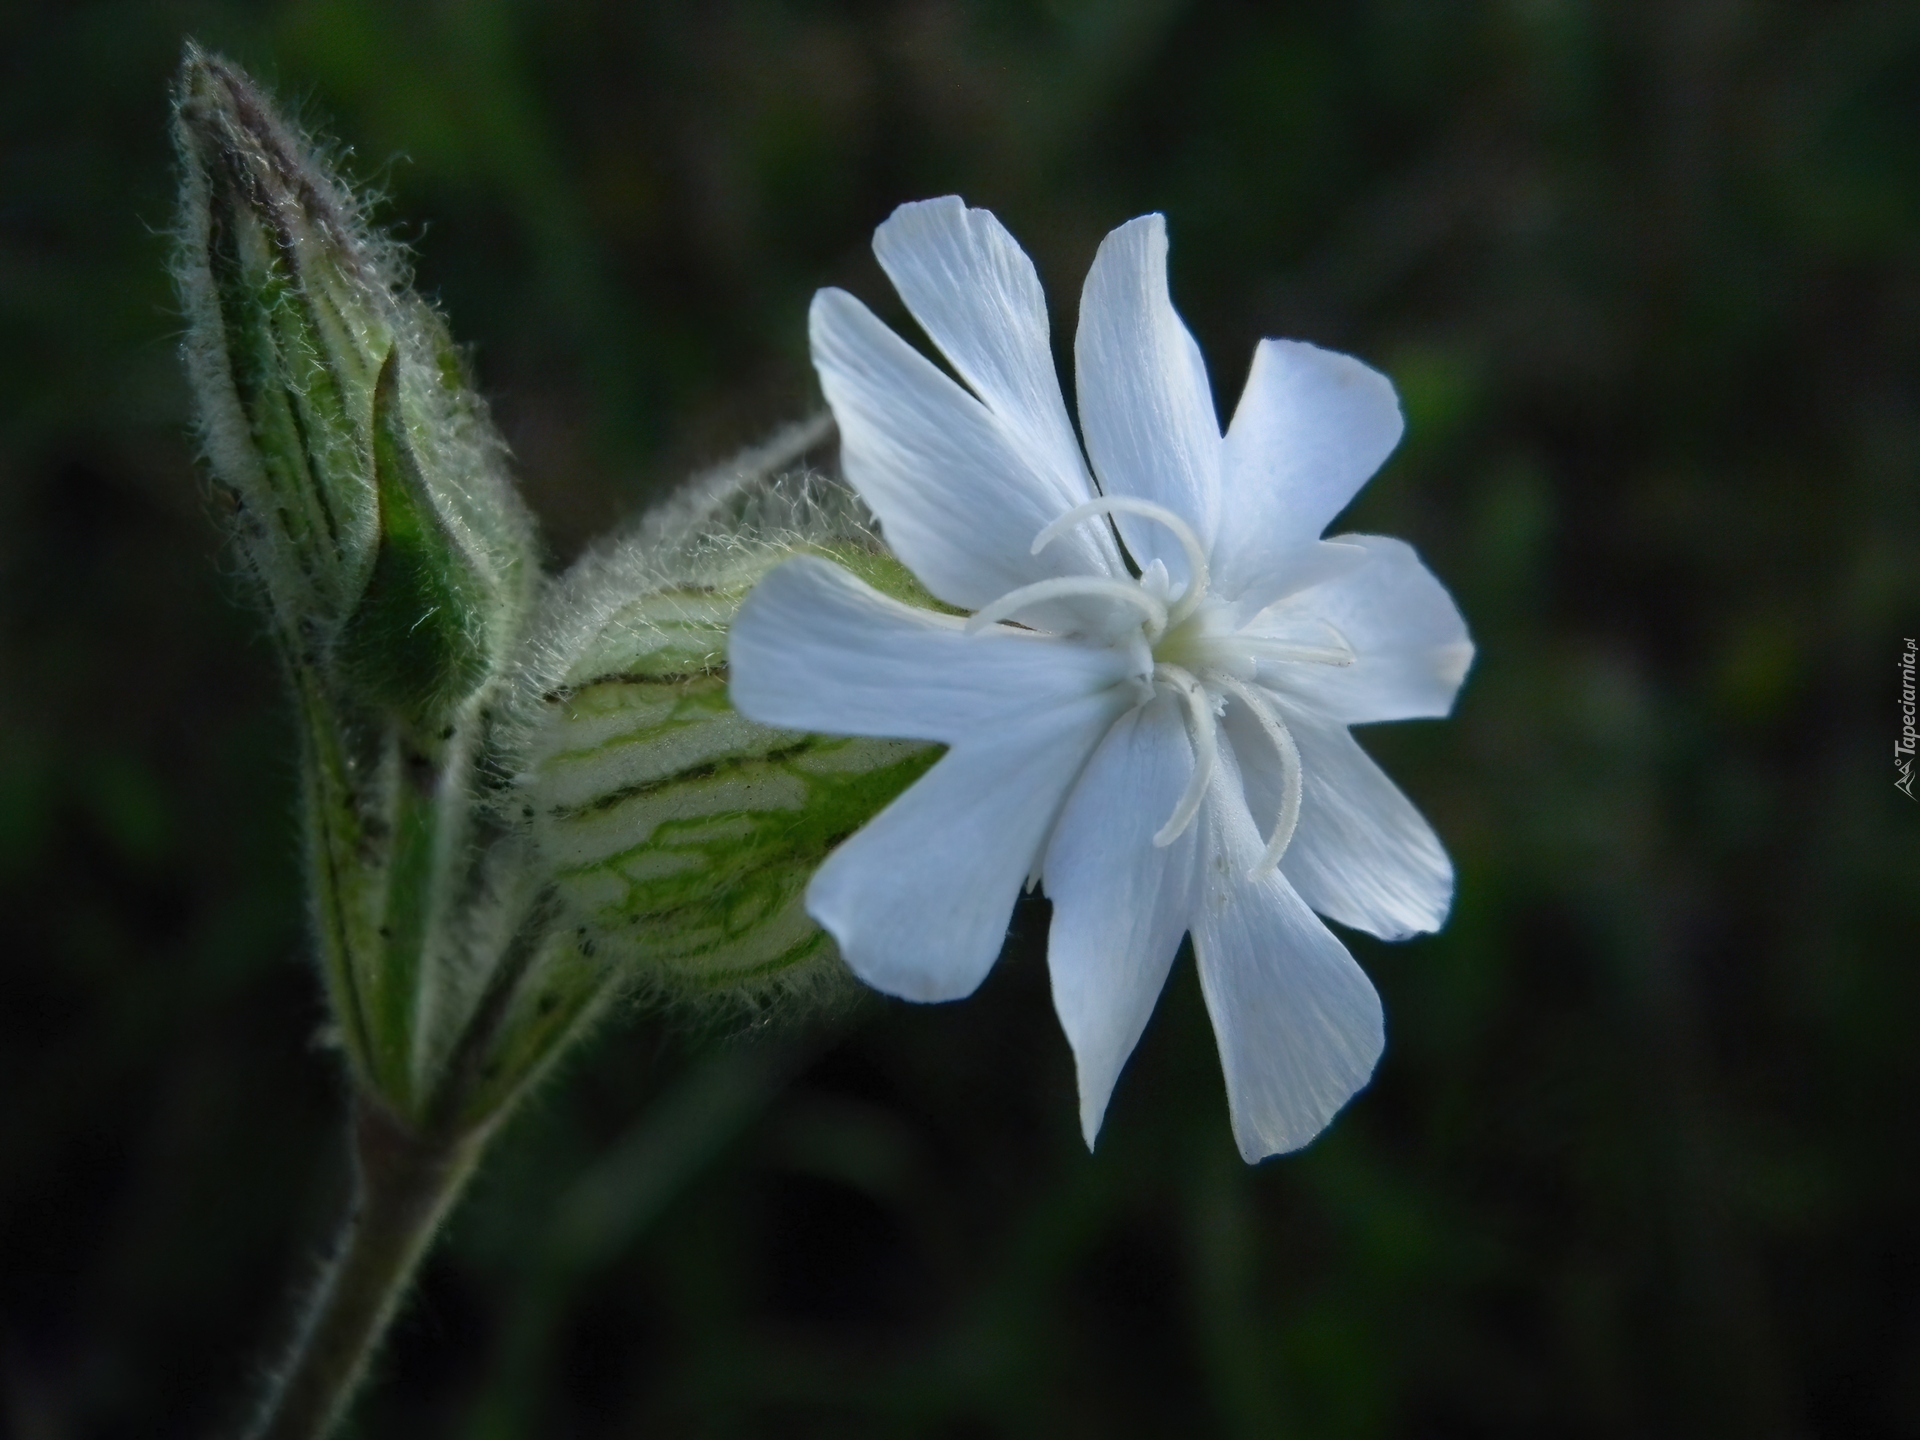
[286,329]
[370,498]
[417,642]
[368,488]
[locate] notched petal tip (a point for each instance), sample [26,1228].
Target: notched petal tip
[1450,664]
[1300,1027]
[1311,427]
[1408,634]
[829,307]
[1261,1134]
[1149,230]
[944,211]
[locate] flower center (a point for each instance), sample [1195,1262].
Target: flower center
[1187,645]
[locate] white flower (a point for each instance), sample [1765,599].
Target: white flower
[1147,710]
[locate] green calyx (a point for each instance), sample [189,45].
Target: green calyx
[287,322]
[419,641]
[523,801]
[367,489]
[682,834]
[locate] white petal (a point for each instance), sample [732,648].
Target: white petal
[919,899]
[1407,634]
[1120,903]
[1362,854]
[1145,405]
[1317,563]
[1298,1023]
[814,648]
[975,293]
[957,497]
[1312,426]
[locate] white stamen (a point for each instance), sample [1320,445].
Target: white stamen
[1290,775]
[1206,751]
[1015,601]
[1127,505]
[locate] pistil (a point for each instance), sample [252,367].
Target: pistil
[1186,654]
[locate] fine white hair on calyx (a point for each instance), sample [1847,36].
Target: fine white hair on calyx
[742,494]
[720,531]
[225,124]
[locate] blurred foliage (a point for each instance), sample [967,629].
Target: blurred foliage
[1640,1160]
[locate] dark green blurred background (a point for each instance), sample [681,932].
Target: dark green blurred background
[1640,1160]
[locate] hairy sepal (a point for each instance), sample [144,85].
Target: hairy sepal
[334,413]
[370,498]
[680,836]
[514,818]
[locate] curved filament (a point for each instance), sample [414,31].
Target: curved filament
[1066,587]
[1127,505]
[1206,751]
[1263,647]
[1290,774]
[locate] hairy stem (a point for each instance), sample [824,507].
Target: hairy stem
[404,1185]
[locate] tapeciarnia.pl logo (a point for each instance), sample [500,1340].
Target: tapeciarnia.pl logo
[1903,747]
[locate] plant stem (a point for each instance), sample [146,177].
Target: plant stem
[404,1185]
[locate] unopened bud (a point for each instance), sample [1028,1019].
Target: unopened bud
[417,642]
[286,330]
[368,487]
